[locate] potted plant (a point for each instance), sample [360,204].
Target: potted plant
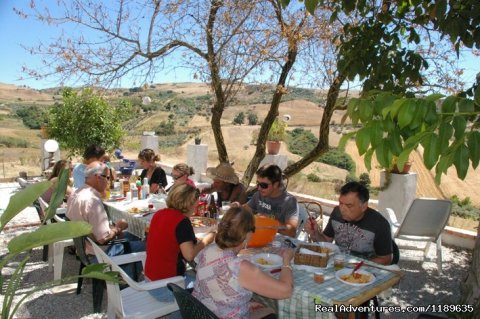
[276,135]
[198,140]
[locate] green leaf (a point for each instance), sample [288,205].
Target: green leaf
[431,116]
[48,234]
[395,143]
[459,124]
[406,113]
[403,158]
[384,156]
[449,104]
[434,97]
[477,93]
[394,108]
[362,139]
[311,5]
[445,132]
[344,139]
[352,110]
[418,114]
[431,150]
[22,200]
[368,159]
[58,193]
[474,147]
[366,110]
[466,106]
[443,164]
[460,161]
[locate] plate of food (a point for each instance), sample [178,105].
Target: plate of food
[137,210]
[203,224]
[267,260]
[359,278]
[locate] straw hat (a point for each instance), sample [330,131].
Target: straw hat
[223,172]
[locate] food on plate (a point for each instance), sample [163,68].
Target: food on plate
[357,278]
[136,210]
[201,222]
[263,261]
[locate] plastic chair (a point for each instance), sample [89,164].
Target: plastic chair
[309,209]
[56,250]
[190,307]
[424,222]
[134,301]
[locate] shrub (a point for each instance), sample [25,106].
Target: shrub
[464,208]
[13,142]
[313,178]
[32,117]
[239,118]
[338,158]
[351,178]
[165,128]
[252,118]
[364,179]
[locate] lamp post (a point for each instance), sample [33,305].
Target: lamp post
[50,146]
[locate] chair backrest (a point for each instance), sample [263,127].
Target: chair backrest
[426,217]
[190,307]
[79,243]
[309,209]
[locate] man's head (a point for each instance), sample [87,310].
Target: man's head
[353,201]
[97,175]
[269,180]
[93,153]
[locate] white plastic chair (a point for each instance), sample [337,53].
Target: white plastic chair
[424,222]
[134,301]
[56,250]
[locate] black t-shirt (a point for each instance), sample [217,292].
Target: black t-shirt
[184,232]
[367,238]
[158,177]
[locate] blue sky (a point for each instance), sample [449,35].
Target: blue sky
[15,31]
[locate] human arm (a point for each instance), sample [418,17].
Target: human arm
[115,230]
[158,181]
[290,228]
[257,281]
[383,242]
[238,194]
[189,245]
[311,227]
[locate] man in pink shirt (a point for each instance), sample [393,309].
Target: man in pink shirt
[86,204]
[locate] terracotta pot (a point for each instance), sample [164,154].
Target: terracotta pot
[263,236]
[273,147]
[406,168]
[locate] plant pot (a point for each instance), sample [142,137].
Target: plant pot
[198,140]
[273,147]
[406,168]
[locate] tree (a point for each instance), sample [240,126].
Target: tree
[84,119]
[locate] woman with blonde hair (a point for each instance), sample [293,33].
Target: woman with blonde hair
[180,174]
[225,282]
[157,179]
[171,239]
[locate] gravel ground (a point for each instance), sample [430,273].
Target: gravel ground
[420,286]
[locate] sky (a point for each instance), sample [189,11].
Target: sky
[15,31]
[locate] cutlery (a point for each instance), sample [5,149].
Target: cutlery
[360,264]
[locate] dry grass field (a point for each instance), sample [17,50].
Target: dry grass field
[238,141]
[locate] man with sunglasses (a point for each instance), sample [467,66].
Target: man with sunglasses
[86,204]
[273,199]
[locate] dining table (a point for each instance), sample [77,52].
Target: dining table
[316,300]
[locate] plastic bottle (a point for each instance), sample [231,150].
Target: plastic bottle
[138,184]
[145,188]
[125,186]
[134,191]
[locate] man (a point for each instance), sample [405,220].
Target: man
[355,226]
[272,198]
[86,204]
[92,153]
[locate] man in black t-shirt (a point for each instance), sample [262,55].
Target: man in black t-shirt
[362,230]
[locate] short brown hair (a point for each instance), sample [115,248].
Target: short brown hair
[184,169]
[234,226]
[148,155]
[182,197]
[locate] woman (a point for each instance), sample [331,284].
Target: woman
[157,179]
[225,282]
[57,168]
[171,239]
[226,184]
[180,174]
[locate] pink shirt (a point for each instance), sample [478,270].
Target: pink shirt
[86,204]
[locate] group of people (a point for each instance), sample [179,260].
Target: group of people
[223,281]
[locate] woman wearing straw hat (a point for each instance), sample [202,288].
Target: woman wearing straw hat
[226,184]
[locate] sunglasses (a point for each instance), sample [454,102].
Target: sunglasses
[177,177]
[107,177]
[263,185]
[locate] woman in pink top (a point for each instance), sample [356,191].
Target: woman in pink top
[180,174]
[225,282]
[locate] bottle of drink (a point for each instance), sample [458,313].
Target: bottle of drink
[138,184]
[145,188]
[134,191]
[125,186]
[212,208]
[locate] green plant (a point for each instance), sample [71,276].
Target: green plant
[19,246]
[278,131]
[252,118]
[313,178]
[239,118]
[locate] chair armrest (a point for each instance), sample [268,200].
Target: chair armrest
[150,285]
[129,258]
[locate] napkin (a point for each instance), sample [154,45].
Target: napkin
[310,252]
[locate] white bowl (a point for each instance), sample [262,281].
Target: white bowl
[267,260]
[348,271]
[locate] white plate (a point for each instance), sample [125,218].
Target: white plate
[335,249]
[348,271]
[267,260]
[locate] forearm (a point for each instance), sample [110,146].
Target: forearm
[383,260]
[114,232]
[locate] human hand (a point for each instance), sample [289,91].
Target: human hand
[121,224]
[287,255]
[209,238]
[311,227]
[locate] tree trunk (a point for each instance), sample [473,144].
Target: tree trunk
[470,288]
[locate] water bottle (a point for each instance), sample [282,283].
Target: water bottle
[134,191]
[145,188]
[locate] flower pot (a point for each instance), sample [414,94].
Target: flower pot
[198,140]
[273,147]
[406,168]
